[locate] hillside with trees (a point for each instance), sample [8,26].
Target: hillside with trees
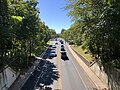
[22,33]
[96,28]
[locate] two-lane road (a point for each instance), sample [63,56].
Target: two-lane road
[73,76]
[58,74]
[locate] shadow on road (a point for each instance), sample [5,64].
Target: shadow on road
[65,59]
[42,77]
[50,73]
[47,54]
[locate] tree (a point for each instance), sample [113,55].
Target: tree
[98,28]
[5,33]
[22,33]
[62,31]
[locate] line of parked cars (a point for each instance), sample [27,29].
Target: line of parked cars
[52,51]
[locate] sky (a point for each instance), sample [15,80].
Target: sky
[54,15]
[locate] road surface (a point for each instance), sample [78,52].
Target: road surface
[58,74]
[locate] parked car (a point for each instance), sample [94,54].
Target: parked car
[52,55]
[53,51]
[62,42]
[50,45]
[53,46]
[55,39]
[56,43]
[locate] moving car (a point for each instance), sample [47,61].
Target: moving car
[62,49]
[61,41]
[53,51]
[64,55]
[62,46]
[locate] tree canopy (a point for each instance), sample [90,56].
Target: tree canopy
[97,28]
[22,33]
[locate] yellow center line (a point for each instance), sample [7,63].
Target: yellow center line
[59,69]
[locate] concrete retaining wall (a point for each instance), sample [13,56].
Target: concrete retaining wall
[110,76]
[7,77]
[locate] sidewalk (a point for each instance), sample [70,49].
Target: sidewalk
[98,83]
[21,80]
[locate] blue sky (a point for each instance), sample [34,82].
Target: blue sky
[53,14]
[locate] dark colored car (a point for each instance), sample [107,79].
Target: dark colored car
[62,49]
[62,42]
[50,45]
[62,46]
[64,55]
[56,43]
[71,43]
[53,46]
[55,39]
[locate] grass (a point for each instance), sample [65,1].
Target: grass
[82,52]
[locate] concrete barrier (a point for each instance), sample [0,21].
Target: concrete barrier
[7,77]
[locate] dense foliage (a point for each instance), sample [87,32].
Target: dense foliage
[22,33]
[97,28]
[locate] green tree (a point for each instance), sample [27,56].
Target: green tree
[98,28]
[5,33]
[22,33]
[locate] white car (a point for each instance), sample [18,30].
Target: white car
[53,51]
[53,46]
[52,55]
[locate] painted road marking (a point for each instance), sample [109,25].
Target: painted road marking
[80,75]
[59,69]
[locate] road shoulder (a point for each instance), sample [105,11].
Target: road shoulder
[98,83]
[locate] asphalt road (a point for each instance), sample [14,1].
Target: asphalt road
[73,75]
[58,74]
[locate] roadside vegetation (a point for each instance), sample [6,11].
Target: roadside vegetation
[96,29]
[22,33]
[79,50]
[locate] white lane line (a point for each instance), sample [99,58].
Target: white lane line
[78,73]
[80,76]
[39,76]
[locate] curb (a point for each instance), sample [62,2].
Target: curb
[101,86]
[35,66]
[81,56]
[27,76]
